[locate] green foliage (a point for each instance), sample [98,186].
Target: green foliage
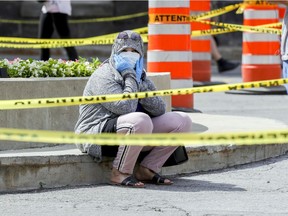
[51,68]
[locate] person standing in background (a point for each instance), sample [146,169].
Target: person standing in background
[223,64]
[54,14]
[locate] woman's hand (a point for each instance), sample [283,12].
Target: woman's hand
[139,69]
[121,63]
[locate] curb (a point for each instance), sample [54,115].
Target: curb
[63,166]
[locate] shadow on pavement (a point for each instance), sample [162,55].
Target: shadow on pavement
[190,185]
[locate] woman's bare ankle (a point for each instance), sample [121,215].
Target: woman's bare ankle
[117,176]
[144,173]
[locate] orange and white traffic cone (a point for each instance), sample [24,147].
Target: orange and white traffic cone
[200,46]
[260,53]
[169,45]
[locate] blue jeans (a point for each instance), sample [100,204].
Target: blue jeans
[285,73]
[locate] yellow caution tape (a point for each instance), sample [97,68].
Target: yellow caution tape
[13,42]
[176,18]
[72,21]
[216,31]
[143,30]
[19,21]
[253,3]
[207,32]
[109,19]
[226,27]
[35,43]
[72,43]
[215,12]
[53,41]
[25,43]
[171,139]
[244,28]
[168,18]
[20,43]
[71,101]
[61,43]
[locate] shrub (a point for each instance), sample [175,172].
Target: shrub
[51,68]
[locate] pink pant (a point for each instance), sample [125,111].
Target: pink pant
[138,122]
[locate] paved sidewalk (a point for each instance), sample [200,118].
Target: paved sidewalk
[258,189]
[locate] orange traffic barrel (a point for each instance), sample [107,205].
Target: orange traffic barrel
[169,46]
[281,11]
[260,51]
[200,46]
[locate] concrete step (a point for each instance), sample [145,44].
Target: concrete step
[63,166]
[47,168]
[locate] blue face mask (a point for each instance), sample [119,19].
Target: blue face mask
[132,57]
